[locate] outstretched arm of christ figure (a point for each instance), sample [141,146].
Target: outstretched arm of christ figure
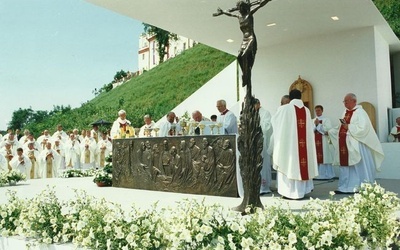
[225,12]
[259,5]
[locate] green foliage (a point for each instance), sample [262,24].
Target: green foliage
[120,74]
[20,118]
[162,37]
[390,10]
[155,92]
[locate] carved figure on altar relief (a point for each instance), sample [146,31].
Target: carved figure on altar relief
[195,158]
[226,165]
[208,163]
[165,159]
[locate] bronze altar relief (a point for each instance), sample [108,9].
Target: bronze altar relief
[185,164]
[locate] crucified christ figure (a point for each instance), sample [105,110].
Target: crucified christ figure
[248,49]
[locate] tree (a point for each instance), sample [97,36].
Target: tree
[162,37]
[390,10]
[20,118]
[120,74]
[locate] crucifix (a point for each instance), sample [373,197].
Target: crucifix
[250,140]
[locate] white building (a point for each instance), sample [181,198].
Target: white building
[148,56]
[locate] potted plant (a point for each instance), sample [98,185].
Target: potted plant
[103,177]
[15,176]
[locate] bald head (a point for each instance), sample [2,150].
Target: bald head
[197,116]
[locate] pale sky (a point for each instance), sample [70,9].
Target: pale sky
[56,52]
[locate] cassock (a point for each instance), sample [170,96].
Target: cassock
[358,150]
[88,151]
[294,156]
[36,145]
[168,129]
[49,162]
[117,126]
[72,154]
[8,153]
[61,135]
[3,163]
[42,141]
[147,129]
[104,148]
[33,155]
[324,149]
[21,163]
[59,148]
[228,121]
[266,127]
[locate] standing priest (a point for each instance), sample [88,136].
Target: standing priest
[294,156]
[358,151]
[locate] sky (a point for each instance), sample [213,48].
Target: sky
[56,52]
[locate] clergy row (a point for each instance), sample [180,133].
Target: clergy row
[49,156]
[303,149]
[171,125]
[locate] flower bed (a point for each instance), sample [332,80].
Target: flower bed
[365,220]
[70,173]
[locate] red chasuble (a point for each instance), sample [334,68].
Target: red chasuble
[398,129]
[344,152]
[318,146]
[302,141]
[123,126]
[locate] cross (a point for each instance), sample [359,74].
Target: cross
[301,123]
[318,143]
[343,150]
[302,143]
[303,162]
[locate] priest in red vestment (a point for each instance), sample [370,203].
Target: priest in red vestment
[358,150]
[294,156]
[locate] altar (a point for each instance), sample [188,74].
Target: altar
[203,164]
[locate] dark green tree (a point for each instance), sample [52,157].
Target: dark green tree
[390,10]
[20,118]
[120,74]
[162,37]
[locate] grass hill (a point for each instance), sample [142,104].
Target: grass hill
[155,92]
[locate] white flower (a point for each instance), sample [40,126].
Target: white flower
[199,237]
[292,238]
[206,230]
[234,226]
[80,225]
[246,243]
[315,227]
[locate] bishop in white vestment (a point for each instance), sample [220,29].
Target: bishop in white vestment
[33,154]
[21,163]
[49,162]
[104,148]
[266,127]
[88,151]
[72,153]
